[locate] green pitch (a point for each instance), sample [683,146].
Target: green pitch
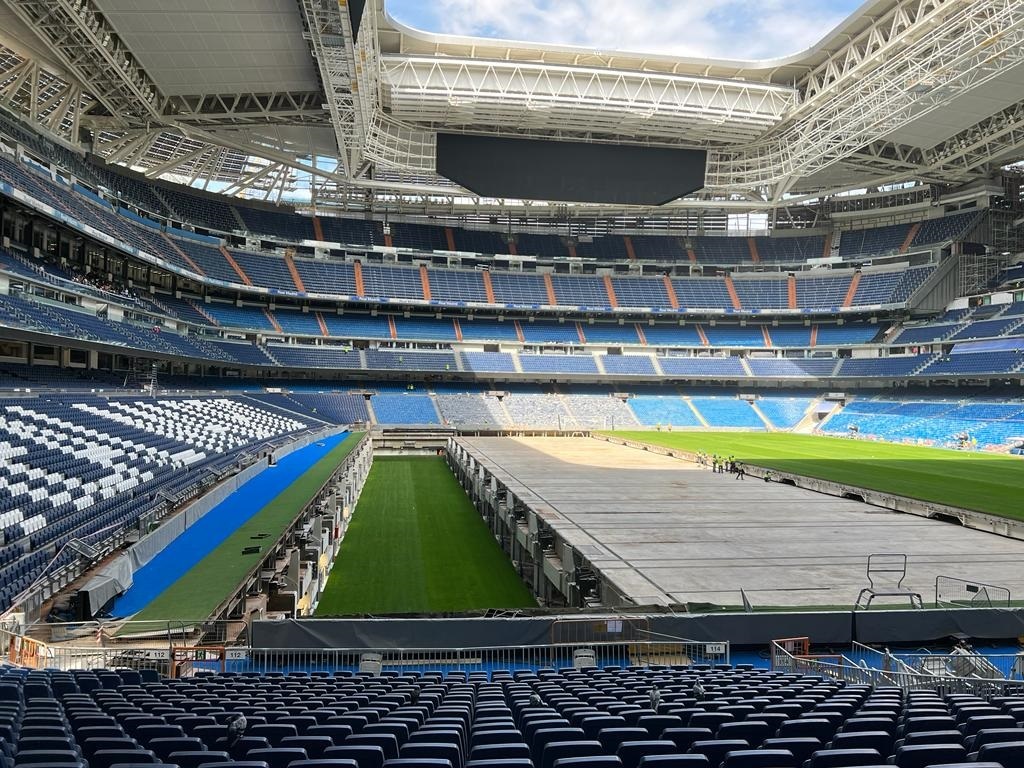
[196,595]
[984,482]
[416,545]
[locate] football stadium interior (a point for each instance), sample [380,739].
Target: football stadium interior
[381,398]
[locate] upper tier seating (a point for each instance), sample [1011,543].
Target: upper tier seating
[282,222]
[876,240]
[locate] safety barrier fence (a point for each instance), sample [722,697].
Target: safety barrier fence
[899,674]
[178,655]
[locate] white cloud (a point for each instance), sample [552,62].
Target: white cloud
[737,29]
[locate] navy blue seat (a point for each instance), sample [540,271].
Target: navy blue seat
[759,758]
[923,755]
[716,750]
[591,761]
[273,732]
[1007,753]
[366,755]
[65,757]
[878,740]
[322,763]
[499,752]
[844,758]
[277,757]
[931,737]
[164,747]
[751,731]
[801,747]
[563,750]
[674,761]
[504,736]
[432,751]
[808,726]
[336,733]
[194,759]
[611,738]
[520,763]
[684,737]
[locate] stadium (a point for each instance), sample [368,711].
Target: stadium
[373,397]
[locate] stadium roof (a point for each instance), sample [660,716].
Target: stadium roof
[343,103]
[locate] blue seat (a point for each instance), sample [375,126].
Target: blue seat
[815,728]
[450,753]
[64,757]
[315,746]
[563,750]
[92,746]
[194,759]
[716,750]
[43,743]
[801,747]
[108,757]
[499,752]
[516,763]
[759,758]
[1007,753]
[932,737]
[751,731]
[611,738]
[990,736]
[386,741]
[684,737]
[923,755]
[336,733]
[674,761]
[878,740]
[273,732]
[844,758]
[276,757]
[632,752]
[322,763]
[164,747]
[503,736]
[366,755]
[591,761]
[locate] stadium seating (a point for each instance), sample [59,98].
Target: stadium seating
[72,466]
[596,718]
[404,409]
[933,422]
[468,411]
[727,412]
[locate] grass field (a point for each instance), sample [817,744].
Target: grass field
[197,594]
[979,481]
[416,545]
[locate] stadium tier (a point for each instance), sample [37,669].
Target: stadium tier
[82,466]
[703,717]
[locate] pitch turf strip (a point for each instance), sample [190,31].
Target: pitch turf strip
[196,595]
[416,545]
[980,481]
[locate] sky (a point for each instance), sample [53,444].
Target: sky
[734,29]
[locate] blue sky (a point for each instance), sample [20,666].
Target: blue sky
[739,29]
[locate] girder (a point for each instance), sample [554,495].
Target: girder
[530,97]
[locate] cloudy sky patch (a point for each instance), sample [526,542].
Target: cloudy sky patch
[733,29]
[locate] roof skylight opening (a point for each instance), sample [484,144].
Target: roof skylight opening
[717,29]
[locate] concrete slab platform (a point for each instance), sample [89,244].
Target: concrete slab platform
[663,530]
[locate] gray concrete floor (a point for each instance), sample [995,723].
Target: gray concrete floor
[667,531]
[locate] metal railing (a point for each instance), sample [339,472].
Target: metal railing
[193,652]
[901,675]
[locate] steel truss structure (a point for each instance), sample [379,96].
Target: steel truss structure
[778,133]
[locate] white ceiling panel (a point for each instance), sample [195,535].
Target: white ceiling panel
[975,105]
[201,47]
